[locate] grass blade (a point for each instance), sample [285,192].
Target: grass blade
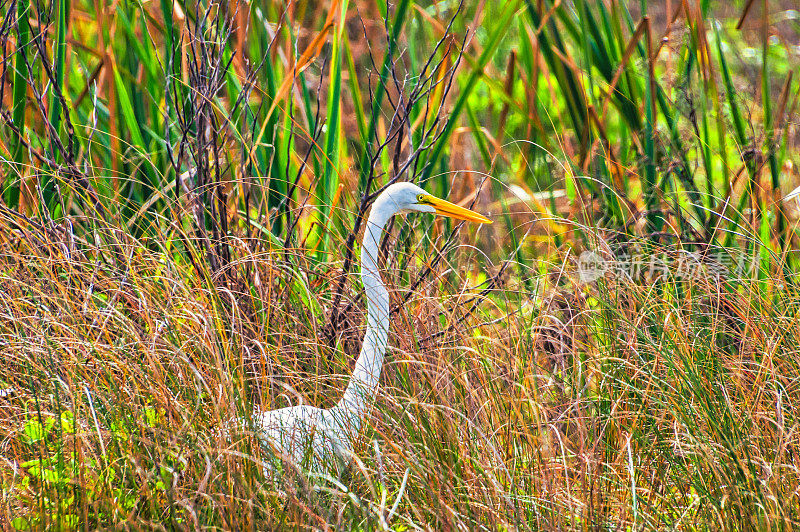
[19,99]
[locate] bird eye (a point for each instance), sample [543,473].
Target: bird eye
[421,198]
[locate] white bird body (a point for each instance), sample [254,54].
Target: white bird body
[306,436]
[319,439]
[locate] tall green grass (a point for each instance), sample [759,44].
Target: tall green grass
[626,113]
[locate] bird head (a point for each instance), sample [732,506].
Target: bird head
[408,197]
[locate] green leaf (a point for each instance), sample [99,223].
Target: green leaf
[127,112]
[34,431]
[19,100]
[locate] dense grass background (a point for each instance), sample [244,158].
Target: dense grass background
[184,185]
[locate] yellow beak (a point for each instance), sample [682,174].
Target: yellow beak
[445,208]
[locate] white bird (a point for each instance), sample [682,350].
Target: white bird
[321,439]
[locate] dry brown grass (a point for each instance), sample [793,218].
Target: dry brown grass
[540,414]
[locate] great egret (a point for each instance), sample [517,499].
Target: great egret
[322,437]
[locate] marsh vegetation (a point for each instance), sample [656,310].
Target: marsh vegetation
[185,186]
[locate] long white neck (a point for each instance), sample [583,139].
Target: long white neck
[363,385]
